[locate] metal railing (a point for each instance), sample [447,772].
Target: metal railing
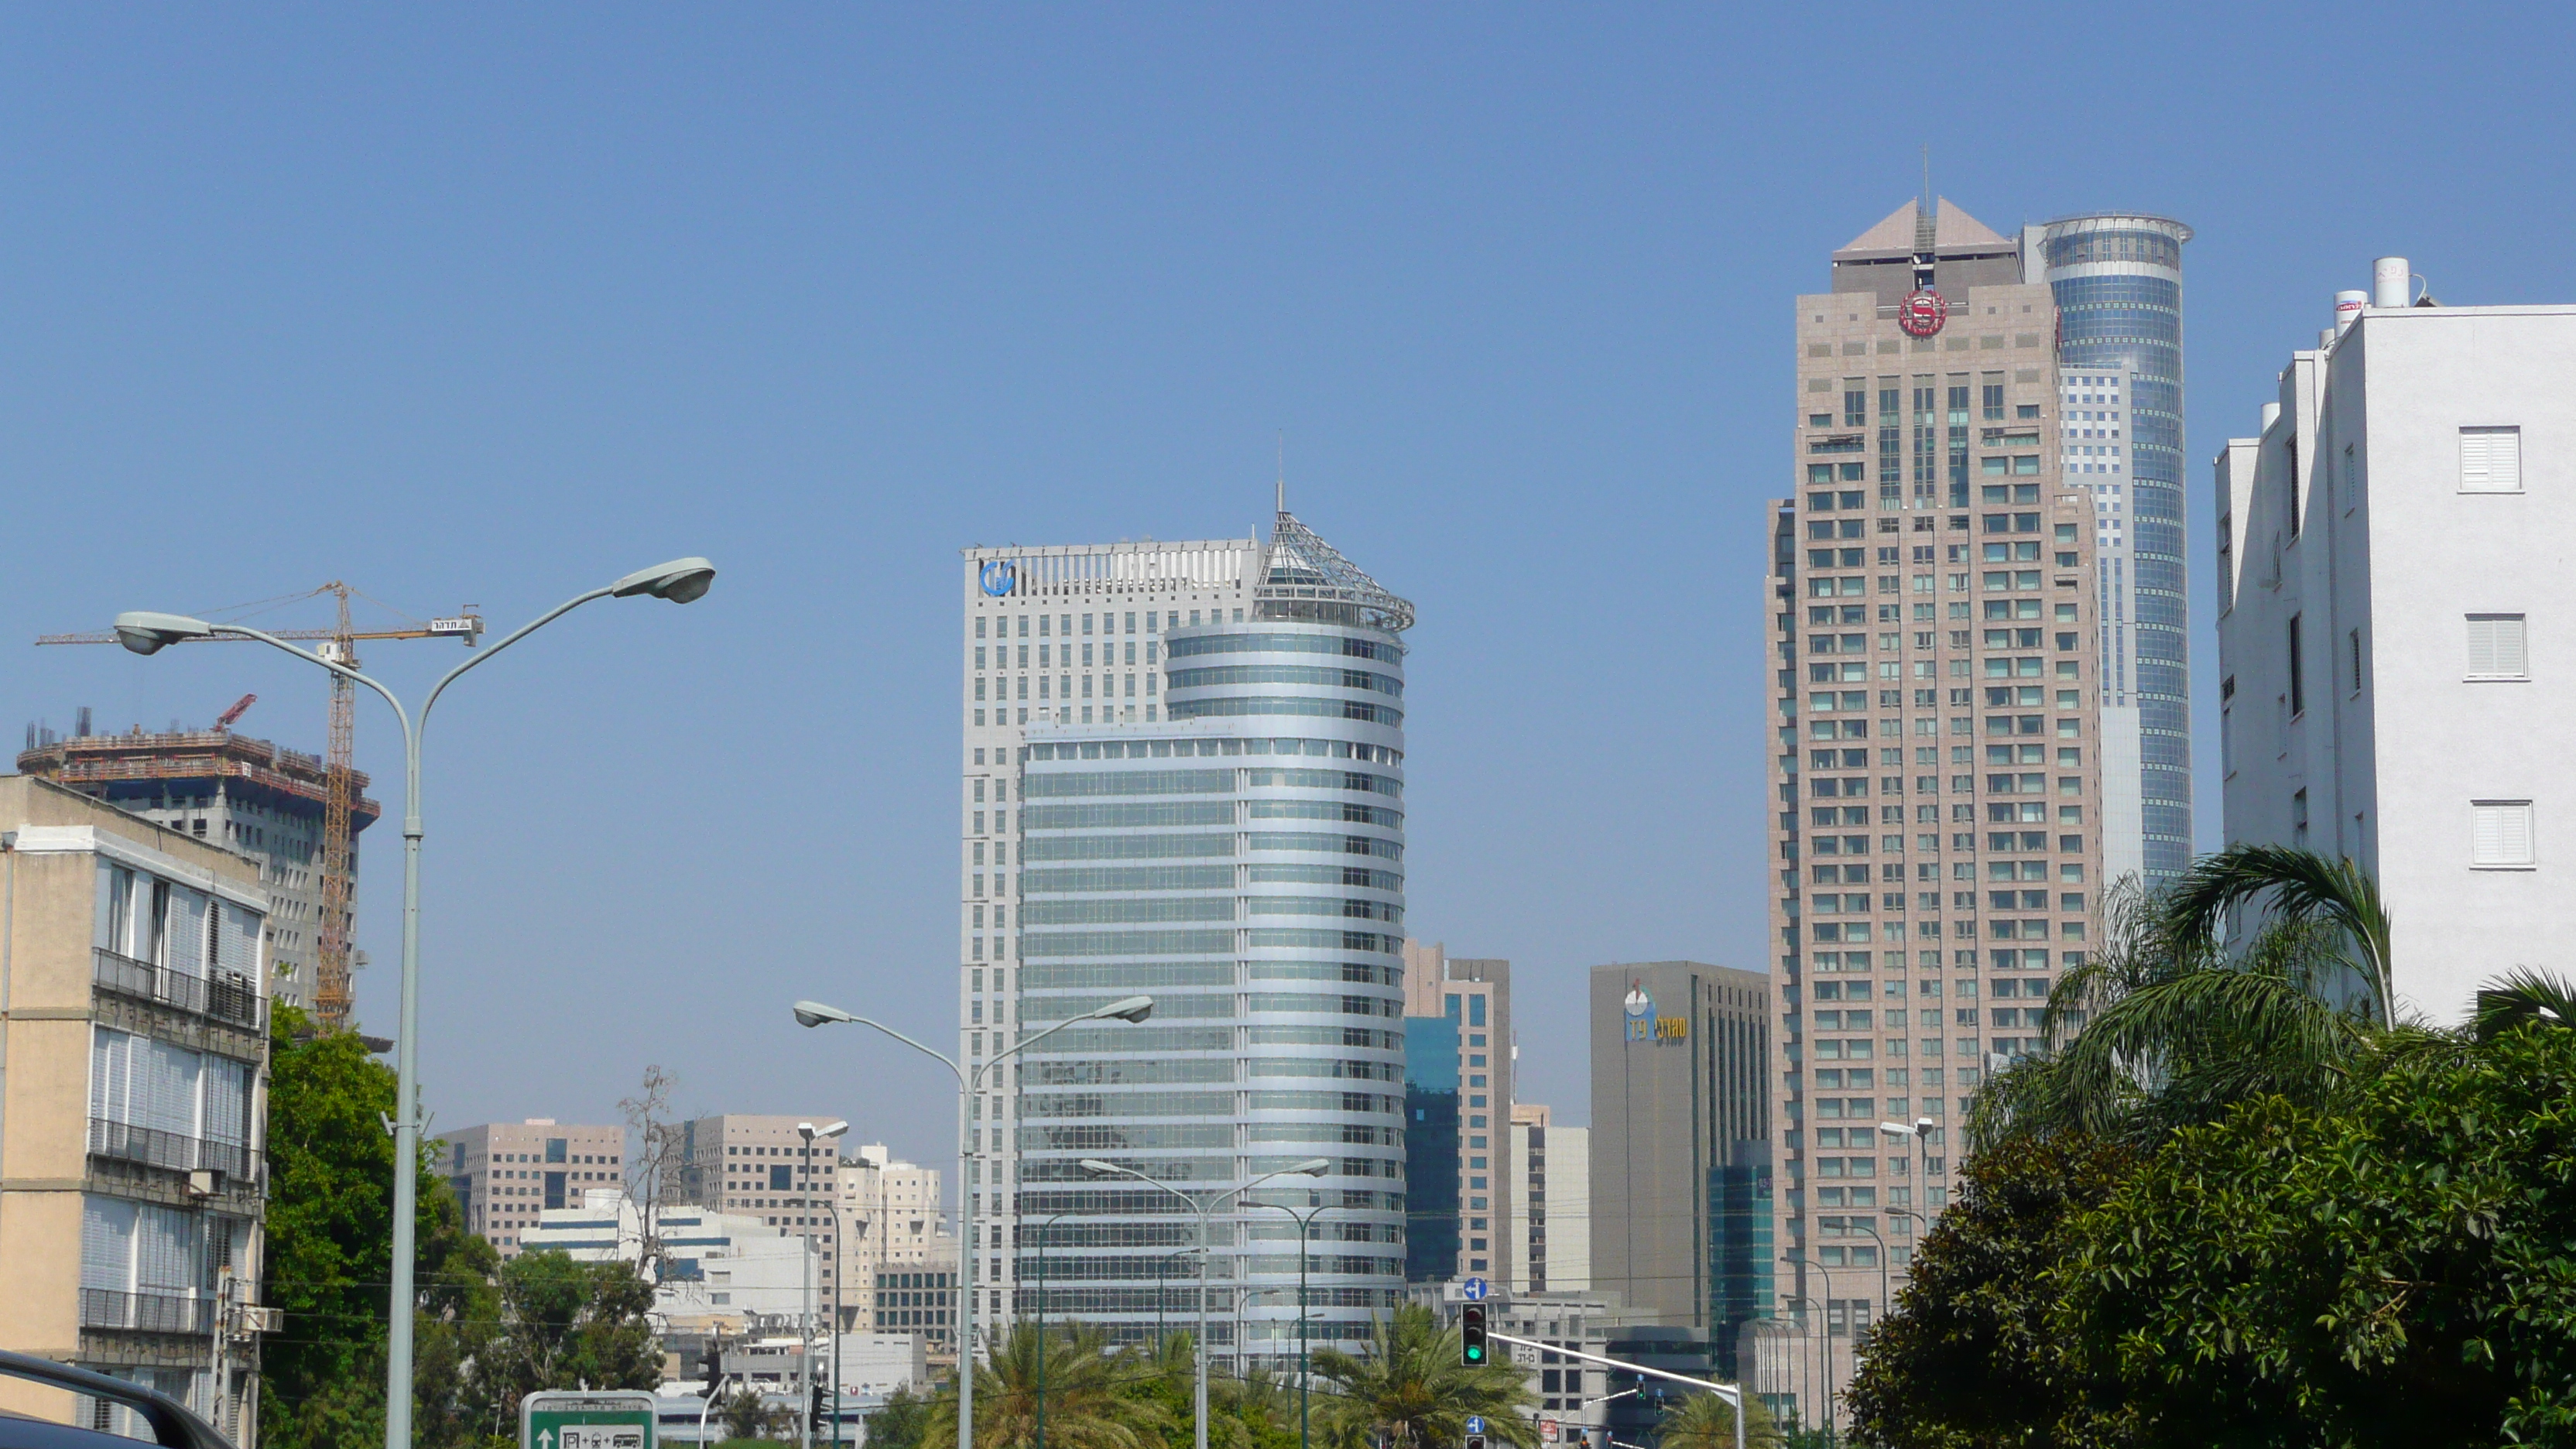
[227,996]
[147,1312]
[156,1148]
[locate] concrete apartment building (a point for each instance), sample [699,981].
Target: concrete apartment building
[1234,848]
[2392,562]
[1937,771]
[762,1167]
[248,796]
[1474,994]
[892,1218]
[505,1174]
[1681,1160]
[1550,1203]
[133,1105]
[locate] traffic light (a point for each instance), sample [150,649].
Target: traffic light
[1475,1441]
[1471,1332]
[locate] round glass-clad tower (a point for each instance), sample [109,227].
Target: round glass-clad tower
[2117,280]
[1242,860]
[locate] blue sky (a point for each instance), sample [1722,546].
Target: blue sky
[486,304]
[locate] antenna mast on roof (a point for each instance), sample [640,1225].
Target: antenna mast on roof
[1283,470]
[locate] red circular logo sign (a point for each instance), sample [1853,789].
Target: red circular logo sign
[1922,313]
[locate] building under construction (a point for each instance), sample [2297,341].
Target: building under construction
[244,795]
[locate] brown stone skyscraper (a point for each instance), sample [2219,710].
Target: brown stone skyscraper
[1936,846]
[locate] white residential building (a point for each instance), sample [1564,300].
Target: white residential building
[891,1217]
[2394,556]
[1551,1203]
[725,1273]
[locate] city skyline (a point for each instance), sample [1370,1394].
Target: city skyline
[454,319]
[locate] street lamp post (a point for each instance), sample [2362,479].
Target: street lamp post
[681,581]
[1813,1374]
[969,1083]
[1311,1167]
[1043,1229]
[1163,1292]
[832,1336]
[1305,1228]
[1826,1336]
[1914,1167]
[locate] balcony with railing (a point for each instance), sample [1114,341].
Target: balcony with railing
[226,996]
[155,1148]
[146,1312]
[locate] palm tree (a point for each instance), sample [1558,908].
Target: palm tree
[1707,1421]
[2301,886]
[1084,1408]
[2163,1028]
[1411,1389]
[2523,995]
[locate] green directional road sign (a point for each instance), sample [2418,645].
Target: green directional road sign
[607,1419]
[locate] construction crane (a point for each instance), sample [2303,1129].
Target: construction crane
[334,994]
[225,720]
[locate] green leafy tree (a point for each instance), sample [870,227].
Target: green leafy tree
[1706,1421]
[1410,1390]
[330,1247]
[748,1414]
[1971,1355]
[901,1422]
[2399,1269]
[568,1325]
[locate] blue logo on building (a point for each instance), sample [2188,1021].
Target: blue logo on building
[999,577]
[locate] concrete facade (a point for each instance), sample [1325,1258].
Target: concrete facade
[506,1174]
[2394,559]
[1550,1203]
[133,1104]
[892,1217]
[759,1166]
[248,796]
[1935,621]
[1681,1053]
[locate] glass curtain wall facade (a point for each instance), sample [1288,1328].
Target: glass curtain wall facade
[1241,860]
[2117,281]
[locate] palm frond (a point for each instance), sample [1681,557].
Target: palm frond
[2299,885]
[2523,995]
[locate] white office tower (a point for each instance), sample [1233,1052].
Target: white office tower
[2392,552]
[1224,832]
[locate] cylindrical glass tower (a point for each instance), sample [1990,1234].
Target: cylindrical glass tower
[1243,862]
[2117,279]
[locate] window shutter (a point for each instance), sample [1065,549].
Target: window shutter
[2491,460]
[107,1244]
[2500,833]
[165,1257]
[168,1087]
[186,939]
[2496,646]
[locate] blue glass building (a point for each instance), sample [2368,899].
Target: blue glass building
[2117,281]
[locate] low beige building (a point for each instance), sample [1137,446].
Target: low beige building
[133,1101]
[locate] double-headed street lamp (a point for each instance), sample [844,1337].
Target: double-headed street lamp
[1305,1229]
[1311,1167]
[970,1082]
[680,581]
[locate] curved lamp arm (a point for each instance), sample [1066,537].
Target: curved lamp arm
[316,660]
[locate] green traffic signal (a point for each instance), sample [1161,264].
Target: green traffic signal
[1471,1333]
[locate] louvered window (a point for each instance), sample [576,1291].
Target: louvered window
[2500,832]
[2496,648]
[2490,460]
[184,936]
[107,1244]
[165,1250]
[165,1086]
[227,1101]
[111,1066]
